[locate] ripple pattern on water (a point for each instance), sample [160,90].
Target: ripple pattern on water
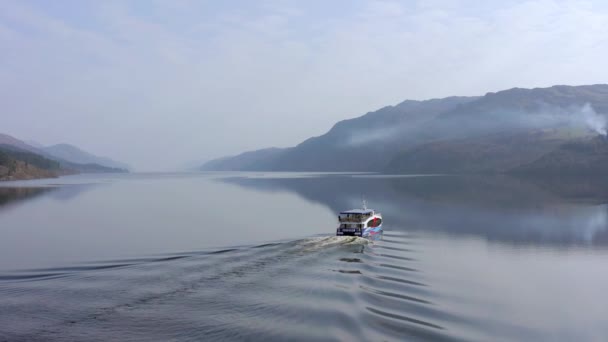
[322,288]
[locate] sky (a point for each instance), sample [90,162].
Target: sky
[160,84]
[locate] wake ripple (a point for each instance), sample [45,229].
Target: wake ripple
[321,288]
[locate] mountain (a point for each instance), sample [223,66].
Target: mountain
[497,132]
[250,161]
[21,164]
[8,140]
[582,157]
[493,153]
[73,154]
[23,161]
[34,144]
[351,145]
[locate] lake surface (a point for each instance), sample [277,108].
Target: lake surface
[252,256]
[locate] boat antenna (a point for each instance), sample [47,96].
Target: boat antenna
[363,202]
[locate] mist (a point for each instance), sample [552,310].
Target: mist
[162,85]
[593,120]
[572,117]
[577,119]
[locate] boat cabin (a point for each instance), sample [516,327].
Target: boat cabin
[355,215]
[359,218]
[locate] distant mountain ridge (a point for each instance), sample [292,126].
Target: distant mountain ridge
[497,132]
[20,160]
[73,154]
[251,161]
[8,140]
[16,164]
[344,145]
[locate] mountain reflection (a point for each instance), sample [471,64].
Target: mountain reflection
[542,212]
[15,195]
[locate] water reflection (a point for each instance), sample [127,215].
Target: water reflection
[547,212]
[70,192]
[189,258]
[15,195]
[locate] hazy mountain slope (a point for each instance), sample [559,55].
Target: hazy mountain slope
[492,133]
[89,168]
[350,145]
[8,140]
[20,164]
[366,143]
[13,144]
[73,154]
[248,161]
[520,109]
[506,130]
[581,157]
[498,152]
[34,144]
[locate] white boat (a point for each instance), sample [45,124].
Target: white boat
[364,222]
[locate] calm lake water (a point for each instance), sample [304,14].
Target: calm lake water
[252,256]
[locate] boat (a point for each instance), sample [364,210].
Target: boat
[366,223]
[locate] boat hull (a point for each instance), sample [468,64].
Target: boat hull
[361,232]
[349,232]
[371,232]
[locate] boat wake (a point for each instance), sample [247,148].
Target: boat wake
[331,241]
[354,288]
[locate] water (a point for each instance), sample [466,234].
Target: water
[237,256]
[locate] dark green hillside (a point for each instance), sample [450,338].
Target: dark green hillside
[583,157]
[495,153]
[89,168]
[17,164]
[8,153]
[64,158]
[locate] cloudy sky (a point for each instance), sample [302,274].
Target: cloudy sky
[160,83]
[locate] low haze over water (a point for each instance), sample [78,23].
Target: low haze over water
[234,256]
